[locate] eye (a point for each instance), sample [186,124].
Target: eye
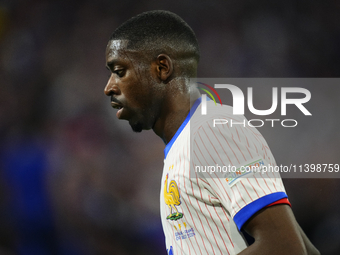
[119,72]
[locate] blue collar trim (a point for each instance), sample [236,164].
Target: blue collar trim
[173,139]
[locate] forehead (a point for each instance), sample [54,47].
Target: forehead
[117,50]
[116,45]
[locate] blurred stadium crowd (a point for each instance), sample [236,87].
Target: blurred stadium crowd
[73,179]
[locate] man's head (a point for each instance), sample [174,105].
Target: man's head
[145,54]
[162,32]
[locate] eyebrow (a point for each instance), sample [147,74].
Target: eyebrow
[111,64]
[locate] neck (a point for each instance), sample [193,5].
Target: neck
[175,108]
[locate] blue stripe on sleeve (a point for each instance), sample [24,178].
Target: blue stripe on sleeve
[249,210]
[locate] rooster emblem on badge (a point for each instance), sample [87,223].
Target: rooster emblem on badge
[172,199]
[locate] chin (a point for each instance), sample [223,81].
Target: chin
[137,127]
[140,124]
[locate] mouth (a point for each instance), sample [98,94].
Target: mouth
[116,105]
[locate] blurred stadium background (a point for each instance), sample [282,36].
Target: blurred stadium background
[74,180]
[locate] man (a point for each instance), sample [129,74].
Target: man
[152,57]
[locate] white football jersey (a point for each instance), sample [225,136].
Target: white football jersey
[203,206]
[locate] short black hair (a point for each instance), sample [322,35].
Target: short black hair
[158,32]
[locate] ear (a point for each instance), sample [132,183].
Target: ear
[164,67]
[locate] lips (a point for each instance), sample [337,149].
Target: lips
[117,105]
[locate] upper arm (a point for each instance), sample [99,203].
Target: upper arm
[276,231]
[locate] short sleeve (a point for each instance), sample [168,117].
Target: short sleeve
[225,158]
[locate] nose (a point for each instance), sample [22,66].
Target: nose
[111,87]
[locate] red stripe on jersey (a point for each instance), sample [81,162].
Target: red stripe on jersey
[229,145]
[193,193]
[273,181]
[252,187]
[188,156]
[247,147]
[264,179]
[198,203]
[201,154]
[192,219]
[245,137]
[232,137]
[216,193]
[247,191]
[257,151]
[179,168]
[241,194]
[179,191]
[231,242]
[236,199]
[238,135]
[224,193]
[212,218]
[212,146]
[260,186]
[221,145]
[211,228]
[280,202]
[211,157]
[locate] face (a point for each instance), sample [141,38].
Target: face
[132,86]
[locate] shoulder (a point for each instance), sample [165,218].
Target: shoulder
[216,116]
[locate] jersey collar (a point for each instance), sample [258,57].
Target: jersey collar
[173,139]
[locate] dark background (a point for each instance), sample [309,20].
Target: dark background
[74,180]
